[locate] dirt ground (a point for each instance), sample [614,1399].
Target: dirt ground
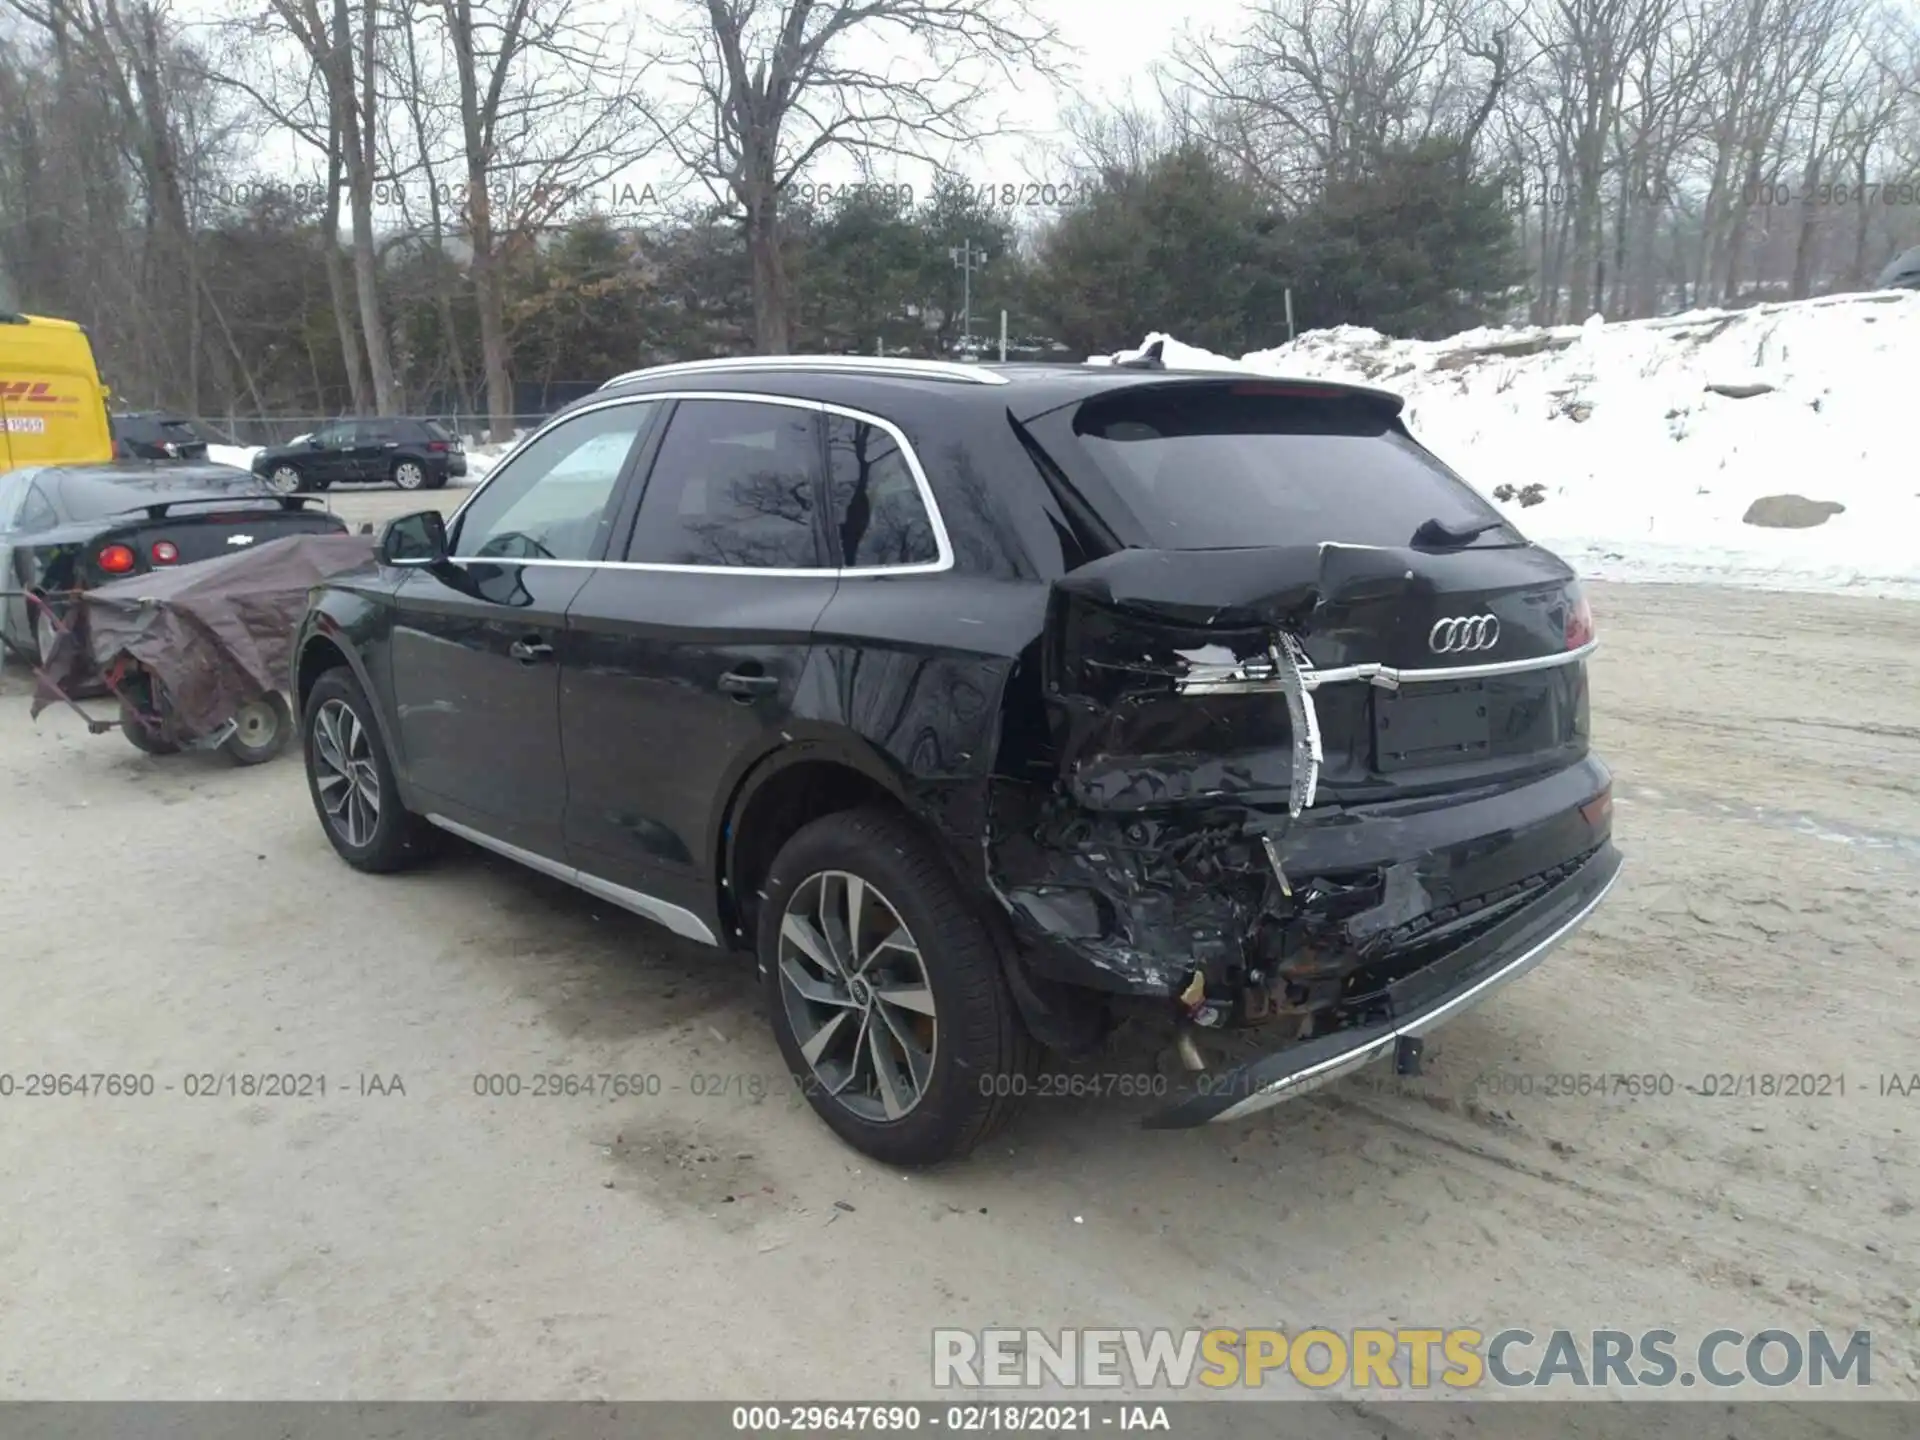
[179,917]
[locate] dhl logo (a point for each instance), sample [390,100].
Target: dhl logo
[33,392]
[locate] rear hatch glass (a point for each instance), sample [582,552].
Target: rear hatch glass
[1221,466]
[1247,512]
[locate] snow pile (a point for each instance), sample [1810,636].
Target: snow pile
[237,455]
[1642,472]
[483,457]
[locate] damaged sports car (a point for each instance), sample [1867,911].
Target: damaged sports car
[994,708]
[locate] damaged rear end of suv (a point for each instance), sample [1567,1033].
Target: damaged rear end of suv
[1300,764]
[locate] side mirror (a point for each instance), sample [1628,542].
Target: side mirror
[416,539]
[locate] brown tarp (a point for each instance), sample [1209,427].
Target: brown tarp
[215,635]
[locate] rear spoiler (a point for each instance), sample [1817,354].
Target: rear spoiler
[1150,372]
[160,511]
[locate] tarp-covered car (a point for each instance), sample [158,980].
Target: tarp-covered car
[199,656]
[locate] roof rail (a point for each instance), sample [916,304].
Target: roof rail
[852,364]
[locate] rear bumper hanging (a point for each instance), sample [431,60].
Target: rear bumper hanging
[1417,1005]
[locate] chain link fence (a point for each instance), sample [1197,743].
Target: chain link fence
[248,430]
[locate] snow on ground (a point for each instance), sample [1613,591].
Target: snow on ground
[1645,473]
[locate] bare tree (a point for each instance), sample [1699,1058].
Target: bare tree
[542,108]
[339,41]
[1313,90]
[124,53]
[770,86]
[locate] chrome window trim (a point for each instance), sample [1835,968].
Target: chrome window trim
[676,918]
[943,544]
[903,367]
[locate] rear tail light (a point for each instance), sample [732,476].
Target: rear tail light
[164,552]
[1598,810]
[1579,620]
[115,559]
[439,447]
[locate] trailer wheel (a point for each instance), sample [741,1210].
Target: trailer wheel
[262,728]
[141,736]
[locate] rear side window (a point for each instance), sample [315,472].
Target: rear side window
[735,484]
[1216,467]
[435,430]
[879,515]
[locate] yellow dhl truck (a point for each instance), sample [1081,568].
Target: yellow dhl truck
[53,408]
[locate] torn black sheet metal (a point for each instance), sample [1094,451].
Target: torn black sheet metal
[1181,835]
[1407,1010]
[1136,904]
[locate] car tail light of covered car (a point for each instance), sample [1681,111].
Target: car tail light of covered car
[116,559]
[1579,620]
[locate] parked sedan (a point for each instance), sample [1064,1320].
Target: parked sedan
[70,527]
[989,706]
[411,454]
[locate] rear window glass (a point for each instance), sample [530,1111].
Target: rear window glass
[1223,466]
[436,431]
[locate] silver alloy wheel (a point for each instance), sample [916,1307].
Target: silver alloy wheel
[857,995]
[284,479]
[344,773]
[257,724]
[409,475]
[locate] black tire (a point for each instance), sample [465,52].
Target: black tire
[409,474]
[396,837]
[980,1051]
[278,481]
[264,727]
[141,737]
[436,481]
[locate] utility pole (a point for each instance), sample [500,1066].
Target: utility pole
[967,259]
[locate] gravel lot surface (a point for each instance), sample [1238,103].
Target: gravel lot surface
[180,917]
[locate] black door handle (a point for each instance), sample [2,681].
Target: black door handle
[746,684]
[528,651]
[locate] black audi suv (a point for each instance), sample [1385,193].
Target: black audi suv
[992,707]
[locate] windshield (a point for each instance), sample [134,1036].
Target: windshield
[1218,467]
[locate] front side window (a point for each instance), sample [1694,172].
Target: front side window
[736,484]
[334,437]
[879,517]
[550,502]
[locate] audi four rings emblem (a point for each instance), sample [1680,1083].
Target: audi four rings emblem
[1459,634]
